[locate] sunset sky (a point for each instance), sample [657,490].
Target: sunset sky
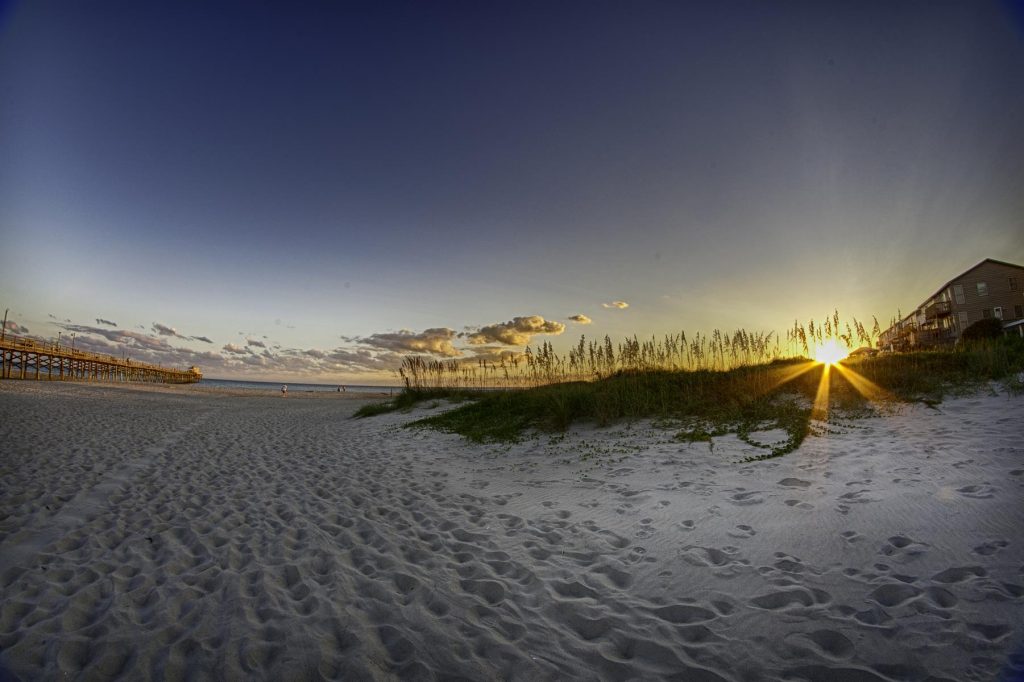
[277,193]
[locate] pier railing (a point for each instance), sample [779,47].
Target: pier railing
[24,358]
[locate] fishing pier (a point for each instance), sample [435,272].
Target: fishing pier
[30,359]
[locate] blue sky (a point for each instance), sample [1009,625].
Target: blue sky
[334,181]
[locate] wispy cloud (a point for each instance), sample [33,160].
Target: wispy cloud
[130,339]
[615,304]
[200,338]
[516,332]
[255,342]
[580,319]
[100,320]
[164,330]
[238,359]
[437,341]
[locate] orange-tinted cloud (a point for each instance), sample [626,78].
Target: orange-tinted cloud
[516,332]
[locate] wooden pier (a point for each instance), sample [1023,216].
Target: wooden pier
[29,359]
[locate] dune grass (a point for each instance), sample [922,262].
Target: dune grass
[705,403]
[413,396]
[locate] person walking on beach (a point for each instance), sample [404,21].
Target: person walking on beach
[284,389]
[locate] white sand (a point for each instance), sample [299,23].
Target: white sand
[178,534]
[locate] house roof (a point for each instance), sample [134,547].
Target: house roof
[970,269]
[987,260]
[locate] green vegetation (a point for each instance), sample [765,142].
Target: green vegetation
[991,328]
[705,403]
[413,396]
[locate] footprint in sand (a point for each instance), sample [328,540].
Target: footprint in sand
[742,532]
[990,632]
[794,483]
[991,547]
[959,574]
[743,497]
[902,546]
[894,594]
[788,564]
[942,598]
[645,530]
[684,614]
[797,597]
[856,497]
[638,554]
[830,643]
[806,506]
[978,492]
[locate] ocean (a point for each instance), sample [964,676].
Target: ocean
[295,387]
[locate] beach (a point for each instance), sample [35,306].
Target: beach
[151,532]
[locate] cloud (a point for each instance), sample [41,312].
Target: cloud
[580,319]
[100,320]
[236,350]
[13,326]
[615,304]
[255,342]
[516,332]
[131,339]
[200,338]
[437,341]
[164,330]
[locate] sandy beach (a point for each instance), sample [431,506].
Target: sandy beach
[176,533]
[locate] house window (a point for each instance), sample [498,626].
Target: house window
[963,319]
[982,289]
[1018,311]
[997,312]
[986,314]
[1013,284]
[958,293]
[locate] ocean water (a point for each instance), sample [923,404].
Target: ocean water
[294,388]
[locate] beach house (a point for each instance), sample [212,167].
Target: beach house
[990,289]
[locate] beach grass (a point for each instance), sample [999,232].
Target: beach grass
[705,403]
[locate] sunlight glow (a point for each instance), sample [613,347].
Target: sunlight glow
[865,386]
[785,375]
[821,404]
[830,352]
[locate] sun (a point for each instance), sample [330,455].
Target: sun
[830,352]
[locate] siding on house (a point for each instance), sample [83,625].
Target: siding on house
[965,299]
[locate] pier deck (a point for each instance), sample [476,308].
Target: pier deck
[24,358]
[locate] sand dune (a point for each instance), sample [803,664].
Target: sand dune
[182,535]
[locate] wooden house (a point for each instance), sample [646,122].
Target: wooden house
[991,289]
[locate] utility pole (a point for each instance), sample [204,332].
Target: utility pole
[3,334]
[58,340]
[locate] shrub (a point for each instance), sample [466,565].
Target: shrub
[991,328]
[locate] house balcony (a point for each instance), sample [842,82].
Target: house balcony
[936,310]
[935,337]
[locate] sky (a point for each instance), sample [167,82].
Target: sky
[313,190]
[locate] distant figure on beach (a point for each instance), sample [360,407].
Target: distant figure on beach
[284,389]
[341,389]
